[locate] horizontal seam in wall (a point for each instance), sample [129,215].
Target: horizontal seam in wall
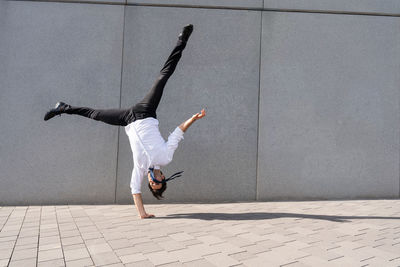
[221,7]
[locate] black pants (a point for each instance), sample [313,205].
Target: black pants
[145,108]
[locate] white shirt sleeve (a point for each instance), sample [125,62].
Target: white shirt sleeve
[173,140]
[136,180]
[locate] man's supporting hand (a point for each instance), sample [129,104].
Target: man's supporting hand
[140,208]
[146,216]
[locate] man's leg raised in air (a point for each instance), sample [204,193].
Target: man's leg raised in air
[150,102]
[118,117]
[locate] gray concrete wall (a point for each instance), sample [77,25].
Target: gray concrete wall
[329,106]
[301,105]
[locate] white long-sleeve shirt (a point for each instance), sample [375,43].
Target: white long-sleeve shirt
[149,148]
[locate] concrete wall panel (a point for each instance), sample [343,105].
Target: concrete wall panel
[51,52]
[203,3]
[371,6]
[219,70]
[329,106]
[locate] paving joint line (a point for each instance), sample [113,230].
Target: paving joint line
[120,100]
[23,220]
[80,234]
[38,243]
[8,217]
[95,225]
[59,232]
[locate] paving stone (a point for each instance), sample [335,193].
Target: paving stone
[75,246]
[50,246]
[23,263]
[239,242]
[185,255]
[71,240]
[105,258]
[290,253]
[91,235]
[27,240]
[329,233]
[210,240]
[80,263]
[321,253]
[241,256]
[161,257]
[52,263]
[7,245]
[69,233]
[52,254]
[147,247]
[172,264]
[99,248]
[198,263]
[170,244]
[125,251]
[5,253]
[181,237]
[4,263]
[221,259]
[24,254]
[119,243]
[132,258]
[227,248]
[115,265]
[48,233]
[75,254]
[144,263]
[8,238]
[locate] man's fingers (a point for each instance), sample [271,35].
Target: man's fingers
[147,216]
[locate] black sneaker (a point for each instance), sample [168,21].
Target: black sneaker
[186,32]
[59,108]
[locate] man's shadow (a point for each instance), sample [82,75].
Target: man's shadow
[267,216]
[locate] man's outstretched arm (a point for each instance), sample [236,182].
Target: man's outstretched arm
[186,124]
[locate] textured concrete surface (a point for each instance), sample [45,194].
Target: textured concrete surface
[369,6]
[257,4]
[329,99]
[331,233]
[51,52]
[218,71]
[329,106]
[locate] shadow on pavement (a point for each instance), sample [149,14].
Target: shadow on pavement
[267,216]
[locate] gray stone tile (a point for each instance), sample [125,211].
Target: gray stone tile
[80,263]
[52,263]
[5,253]
[76,254]
[132,258]
[52,254]
[144,263]
[24,254]
[23,263]
[105,258]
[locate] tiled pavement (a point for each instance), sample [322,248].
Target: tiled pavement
[320,233]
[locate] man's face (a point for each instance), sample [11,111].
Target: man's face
[159,177]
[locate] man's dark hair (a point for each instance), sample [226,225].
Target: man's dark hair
[157,193]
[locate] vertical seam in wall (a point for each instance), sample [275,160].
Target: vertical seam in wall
[120,100]
[258,113]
